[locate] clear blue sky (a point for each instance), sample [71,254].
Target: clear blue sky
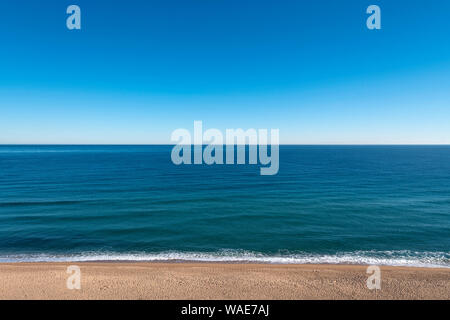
[140,69]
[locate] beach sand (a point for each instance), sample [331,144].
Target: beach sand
[218,281]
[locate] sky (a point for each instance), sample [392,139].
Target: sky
[138,70]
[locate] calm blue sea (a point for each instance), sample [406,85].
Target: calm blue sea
[328,204]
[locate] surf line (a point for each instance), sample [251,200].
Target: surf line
[213,153]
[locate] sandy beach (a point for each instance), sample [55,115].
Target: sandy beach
[218,281]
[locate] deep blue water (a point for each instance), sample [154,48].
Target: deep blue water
[343,204]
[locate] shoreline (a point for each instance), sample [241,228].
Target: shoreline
[381,258]
[206,280]
[224,262]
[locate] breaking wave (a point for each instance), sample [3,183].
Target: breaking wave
[387,258]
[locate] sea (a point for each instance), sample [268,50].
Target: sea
[377,205]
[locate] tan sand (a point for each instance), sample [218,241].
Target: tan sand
[218,281]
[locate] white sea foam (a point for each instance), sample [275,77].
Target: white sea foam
[388,258]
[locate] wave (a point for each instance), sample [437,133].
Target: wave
[387,258]
[39,203]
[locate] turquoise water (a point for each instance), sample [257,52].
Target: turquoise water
[328,204]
